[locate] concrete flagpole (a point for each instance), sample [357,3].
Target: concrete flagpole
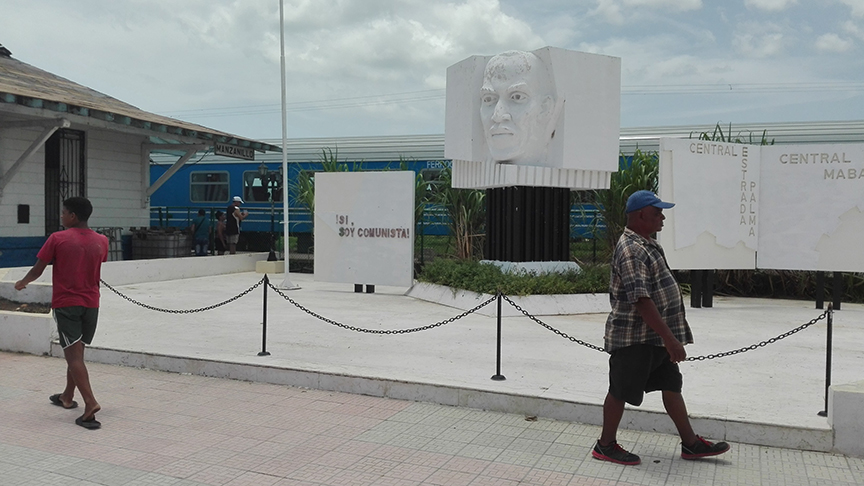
[286,282]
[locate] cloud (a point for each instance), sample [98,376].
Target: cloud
[334,48]
[759,40]
[770,5]
[853,29]
[621,11]
[857,7]
[833,43]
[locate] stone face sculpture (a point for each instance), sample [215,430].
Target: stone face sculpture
[544,118]
[518,108]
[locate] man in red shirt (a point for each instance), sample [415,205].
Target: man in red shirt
[77,254]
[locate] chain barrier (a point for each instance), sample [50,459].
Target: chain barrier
[692,358]
[453,319]
[762,344]
[380,331]
[183,311]
[547,326]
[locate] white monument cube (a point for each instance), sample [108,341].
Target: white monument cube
[548,118]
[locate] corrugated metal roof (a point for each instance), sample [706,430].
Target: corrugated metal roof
[23,85]
[370,149]
[431,147]
[648,138]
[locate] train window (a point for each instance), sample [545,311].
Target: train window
[208,187]
[257,188]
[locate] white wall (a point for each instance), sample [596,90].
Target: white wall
[113,180]
[27,187]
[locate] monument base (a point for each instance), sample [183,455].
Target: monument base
[527,224]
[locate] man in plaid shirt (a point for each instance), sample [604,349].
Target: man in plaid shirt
[645,333]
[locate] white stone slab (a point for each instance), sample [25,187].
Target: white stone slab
[364,227]
[716,188]
[24,332]
[846,417]
[812,207]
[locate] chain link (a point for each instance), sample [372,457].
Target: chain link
[547,326]
[379,331]
[762,344]
[183,311]
[692,358]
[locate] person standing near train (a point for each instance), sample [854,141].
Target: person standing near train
[232,225]
[221,244]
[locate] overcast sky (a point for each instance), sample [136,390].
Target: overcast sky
[378,67]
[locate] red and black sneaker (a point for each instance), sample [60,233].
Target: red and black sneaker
[703,448]
[615,453]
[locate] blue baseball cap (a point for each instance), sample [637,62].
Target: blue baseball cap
[641,199]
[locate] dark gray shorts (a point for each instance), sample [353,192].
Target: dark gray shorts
[639,369]
[76,323]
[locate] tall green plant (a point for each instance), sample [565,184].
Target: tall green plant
[639,173]
[466,210]
[302,189]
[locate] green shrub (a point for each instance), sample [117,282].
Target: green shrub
[489,279]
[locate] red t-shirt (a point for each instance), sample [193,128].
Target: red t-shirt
[77,255]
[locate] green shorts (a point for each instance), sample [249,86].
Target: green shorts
[76,323]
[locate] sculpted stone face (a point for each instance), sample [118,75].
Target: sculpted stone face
[518,104]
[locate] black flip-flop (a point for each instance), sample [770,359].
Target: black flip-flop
[55,399]
[91,424]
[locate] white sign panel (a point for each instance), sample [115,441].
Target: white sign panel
[715,187]
[812,208]
[364,227]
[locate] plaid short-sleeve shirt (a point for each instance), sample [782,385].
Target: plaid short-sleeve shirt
[639,269]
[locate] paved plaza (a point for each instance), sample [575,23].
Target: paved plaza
[413,408]
[173,429]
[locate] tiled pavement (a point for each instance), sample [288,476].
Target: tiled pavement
[171,429]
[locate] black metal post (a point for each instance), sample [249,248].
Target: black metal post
[820,290]
[824,413]
[696,288]
[498,376]
[271,179]
[708,288]
[837,289]
[264,324]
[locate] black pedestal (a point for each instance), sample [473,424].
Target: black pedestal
[527,224]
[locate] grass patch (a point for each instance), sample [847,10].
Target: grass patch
[489,279]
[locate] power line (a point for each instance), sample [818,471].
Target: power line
[439,94]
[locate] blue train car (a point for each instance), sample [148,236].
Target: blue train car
[211,185]
[211,181]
